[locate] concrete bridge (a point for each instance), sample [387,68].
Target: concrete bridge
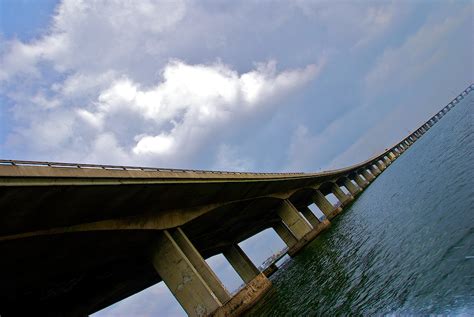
[75,238]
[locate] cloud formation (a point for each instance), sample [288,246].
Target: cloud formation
[111,97]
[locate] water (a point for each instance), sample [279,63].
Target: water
[405,247]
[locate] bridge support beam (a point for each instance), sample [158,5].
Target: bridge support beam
[325,205]
[294,230]
[367,175]
[310,216]
[285,234]
[360,181]
[293,220]
[200,265]
[317,225]
[381,165]
[182,278]
[241,263]
[340,195]
[374,170]
[353,189]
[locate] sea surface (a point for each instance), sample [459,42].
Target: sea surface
[406,245]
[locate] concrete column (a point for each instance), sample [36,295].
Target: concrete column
[310,216]
[360,181]
[380,165]
[285,234]
[241,263]
[353,189]
[367,175]
[387,160]
[200,265]
[323,204]
[293,220]
[393,155]
[374,170]
[340,195]
[183,280]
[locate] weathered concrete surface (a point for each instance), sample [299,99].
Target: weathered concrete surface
[245,298]
[181,277]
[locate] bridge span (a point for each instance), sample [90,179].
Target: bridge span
[76,238]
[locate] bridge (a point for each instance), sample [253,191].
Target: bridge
[76,238]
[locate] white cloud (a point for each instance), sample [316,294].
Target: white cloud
[191,103]
[93,36]
[170,122]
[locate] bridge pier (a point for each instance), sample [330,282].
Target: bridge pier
[381,165]
[195,285]
[293,220]
[374,170]
[310,216]
[343,198]
[293,228]
[325,205]
[367,175]
[241,263]
[353,189]
[182,277]
[200,264]
[285,234]
[362,183]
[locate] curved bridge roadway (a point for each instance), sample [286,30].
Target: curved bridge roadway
[75,238]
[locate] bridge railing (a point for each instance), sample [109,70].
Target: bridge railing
[177,170]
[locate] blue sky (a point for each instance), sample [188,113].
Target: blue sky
[248,85]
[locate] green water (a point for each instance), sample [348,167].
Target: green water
[405,247]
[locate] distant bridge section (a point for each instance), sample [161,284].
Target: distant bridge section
[76,238]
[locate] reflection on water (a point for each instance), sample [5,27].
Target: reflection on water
[406,246]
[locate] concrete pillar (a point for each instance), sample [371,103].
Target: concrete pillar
[387,160]
[353,189]
[374,170]
[340,195]
[360,181]
[241,263]
[181,277]
[367,175]
[323,204]
[293,220]
[200,265]
[285,234]
[310,216]
[393,155]
[380,165]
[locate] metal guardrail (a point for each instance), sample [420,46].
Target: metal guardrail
[124,167]
[177,170]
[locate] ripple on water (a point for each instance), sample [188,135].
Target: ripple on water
[406,245]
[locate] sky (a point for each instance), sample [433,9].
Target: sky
[260,86]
